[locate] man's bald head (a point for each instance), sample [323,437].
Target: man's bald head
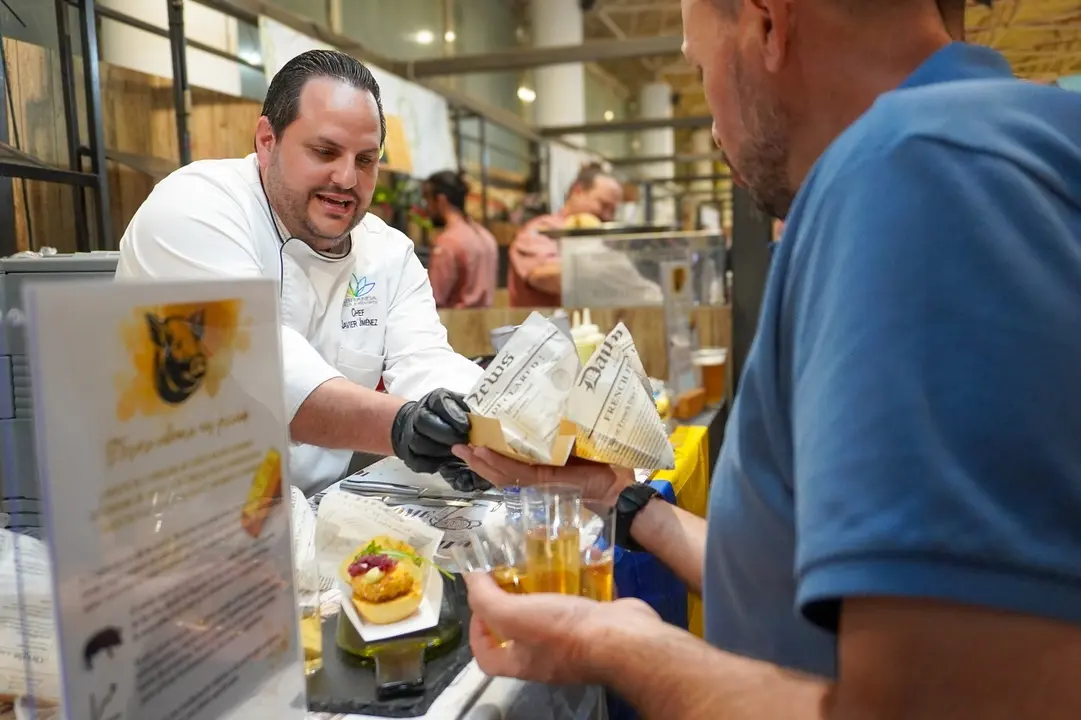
[783,79]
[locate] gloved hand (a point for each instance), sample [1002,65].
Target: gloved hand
[460,477]
[424,431]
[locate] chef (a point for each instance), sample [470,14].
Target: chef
[356,306]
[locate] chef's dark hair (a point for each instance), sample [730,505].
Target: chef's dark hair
[450,185]
[282,104]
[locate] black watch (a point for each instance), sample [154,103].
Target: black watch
[630,503]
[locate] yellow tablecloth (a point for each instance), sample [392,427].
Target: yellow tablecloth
[690,480]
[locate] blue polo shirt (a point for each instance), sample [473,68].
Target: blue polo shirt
[909,417]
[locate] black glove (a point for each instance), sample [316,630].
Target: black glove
[461,478]
[424,431]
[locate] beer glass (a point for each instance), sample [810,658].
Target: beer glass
[598,546]
[551,522]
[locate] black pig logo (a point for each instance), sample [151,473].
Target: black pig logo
[104,641]
[179,357]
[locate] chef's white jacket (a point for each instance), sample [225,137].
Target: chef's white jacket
[365,316]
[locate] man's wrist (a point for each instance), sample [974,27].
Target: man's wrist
[630,504]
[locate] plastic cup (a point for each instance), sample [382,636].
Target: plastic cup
[598,548]
[551,523]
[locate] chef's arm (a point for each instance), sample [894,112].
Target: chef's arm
[340,414]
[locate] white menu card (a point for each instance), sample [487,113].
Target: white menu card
[162,439]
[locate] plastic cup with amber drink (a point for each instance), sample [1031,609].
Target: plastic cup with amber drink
[501,554]
[309,602]
[598,544]
[498,552]
[551,523]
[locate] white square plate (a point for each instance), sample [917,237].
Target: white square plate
[426,616]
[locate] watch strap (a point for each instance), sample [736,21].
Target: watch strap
[628,505]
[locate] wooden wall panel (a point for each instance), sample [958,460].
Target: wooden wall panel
[137,118]
[468,330]
[133,107]
[36,113]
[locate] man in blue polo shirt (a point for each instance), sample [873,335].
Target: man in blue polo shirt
[895,527]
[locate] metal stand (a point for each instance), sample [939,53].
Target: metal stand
[181,89]
[483,131]
[86,163]
[752,231]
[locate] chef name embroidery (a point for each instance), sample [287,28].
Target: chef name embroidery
[357,311]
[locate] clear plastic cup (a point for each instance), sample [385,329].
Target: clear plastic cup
[551,523]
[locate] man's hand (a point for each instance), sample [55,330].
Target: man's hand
[424,431]
[599,483]
[548,638]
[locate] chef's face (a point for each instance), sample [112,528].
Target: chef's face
[320,172]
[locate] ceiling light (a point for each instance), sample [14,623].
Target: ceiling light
[449,36]
[526,95]
[609,116]
[424,37]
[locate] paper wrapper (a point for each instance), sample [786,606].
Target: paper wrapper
[490,433]
[519,406]
[27,625]
[612,407]
[526,409]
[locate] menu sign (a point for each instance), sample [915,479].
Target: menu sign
[161,431]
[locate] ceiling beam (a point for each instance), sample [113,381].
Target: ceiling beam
[614,28]
[683,178]
[651,159]
[633,8]
[250,10]
[627,126]
[525,58]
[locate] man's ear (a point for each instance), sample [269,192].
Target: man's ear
[772,22]
[264,140]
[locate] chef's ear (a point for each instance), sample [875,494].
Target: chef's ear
[264,140]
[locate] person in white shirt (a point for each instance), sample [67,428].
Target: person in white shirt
[356,305]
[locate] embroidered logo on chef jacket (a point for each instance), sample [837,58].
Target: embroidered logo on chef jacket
[359,287]
[357,311]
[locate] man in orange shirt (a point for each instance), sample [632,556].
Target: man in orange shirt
[464,259]
[535,274]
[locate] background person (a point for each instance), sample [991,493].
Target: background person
[356,306]
[465,258]
[893,524]
[535,275]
